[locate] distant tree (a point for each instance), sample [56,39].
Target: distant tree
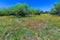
[11,12]
[38,12]
[23,11]
[56,9]
[18,9]
[3,12]
[41,12]
[34,11]
[46,12]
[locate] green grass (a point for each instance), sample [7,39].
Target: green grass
[42,27]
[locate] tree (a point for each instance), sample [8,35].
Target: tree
[18,9]
[56,9]
[3,12]
[23,11]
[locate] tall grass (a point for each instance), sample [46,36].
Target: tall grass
[40,27]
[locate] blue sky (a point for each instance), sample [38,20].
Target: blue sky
[44,5]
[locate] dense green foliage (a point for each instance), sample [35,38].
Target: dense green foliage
[18,10]
[56,9]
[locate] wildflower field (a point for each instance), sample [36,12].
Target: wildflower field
[39,27]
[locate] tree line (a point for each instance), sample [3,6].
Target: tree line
[24,10]
[19,10]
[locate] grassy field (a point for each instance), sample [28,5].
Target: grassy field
[42,27]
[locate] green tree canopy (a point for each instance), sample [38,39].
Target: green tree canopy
[56,9]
